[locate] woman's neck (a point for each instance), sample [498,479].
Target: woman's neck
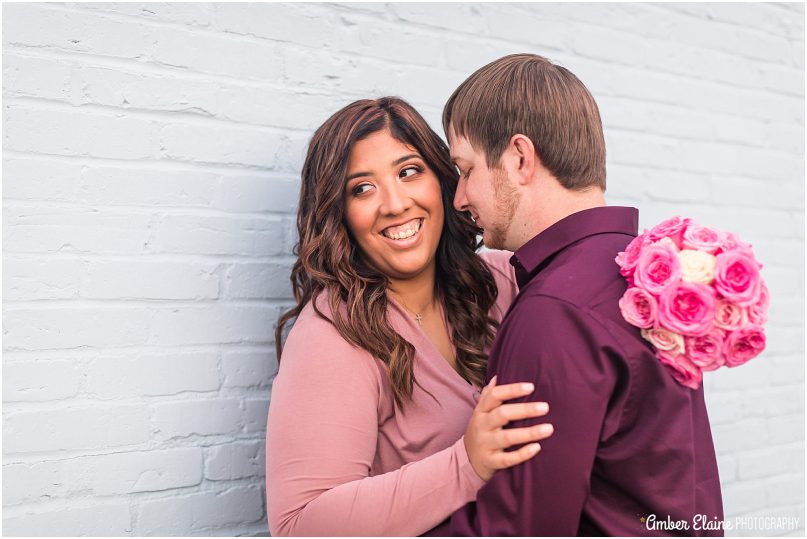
[417,294]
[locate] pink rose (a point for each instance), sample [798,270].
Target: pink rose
[628,258]
[638,307]
[687,308]
[672,228]
[706,351]
[744,345]
[665,340]
[701,238]
[658,267]
[683,370]
[737,277]
[758,312]
[731,242]
[729,316]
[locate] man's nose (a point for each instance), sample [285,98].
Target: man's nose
[460,200]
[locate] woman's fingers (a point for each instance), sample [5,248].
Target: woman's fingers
[513,412]
[510,437]
[511,458]
[493,396]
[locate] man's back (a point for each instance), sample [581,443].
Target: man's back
[629,441]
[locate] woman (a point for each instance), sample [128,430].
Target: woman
[395,314]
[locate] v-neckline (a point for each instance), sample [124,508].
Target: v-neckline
[425,338]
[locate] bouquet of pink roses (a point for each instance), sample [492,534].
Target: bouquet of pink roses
[697,295]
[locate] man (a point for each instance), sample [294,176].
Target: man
[632,448]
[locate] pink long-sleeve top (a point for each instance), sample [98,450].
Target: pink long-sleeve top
[342,458]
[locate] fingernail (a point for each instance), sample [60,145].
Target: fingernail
[541,407]
[546,428]
[534,448]
[527,387]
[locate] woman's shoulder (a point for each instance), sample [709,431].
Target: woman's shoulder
[315,343]
[498,262]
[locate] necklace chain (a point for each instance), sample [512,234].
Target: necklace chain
[418,318]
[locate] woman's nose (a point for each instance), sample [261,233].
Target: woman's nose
[395,200]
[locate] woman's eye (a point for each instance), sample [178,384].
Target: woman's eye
[409,171]
[361,188]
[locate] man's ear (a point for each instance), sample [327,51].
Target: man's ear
[525,161]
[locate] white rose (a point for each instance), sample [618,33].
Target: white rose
[697,266]
[664,339]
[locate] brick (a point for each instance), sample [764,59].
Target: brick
[258,280]
[447,16]
[110,376]
[216,54]
[276,107]
[31,278]
[180,515]
[215,235]
[32,482]
[74,427]
[79,133]
[41,179]
[734,437]
[220,144]
[102,475]
[788,370]
[301,24]
[31,381]
[739,498]
[151,187]
[234,461]
[783,430]
[99,518]
[73,327]
[41,25]
[257,412]
[248,369]
[186,13]
[213,324]
[113,87]
[727,468]
[49,228]
[36,77]
[264,192]
[179,419]
[770,462]
[144,279]
[135,471]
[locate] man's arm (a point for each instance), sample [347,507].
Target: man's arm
[563,351]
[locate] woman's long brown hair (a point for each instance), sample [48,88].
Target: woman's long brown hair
[329,260]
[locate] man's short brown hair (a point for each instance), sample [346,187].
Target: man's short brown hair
[528,94]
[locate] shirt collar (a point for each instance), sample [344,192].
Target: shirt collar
[570,229]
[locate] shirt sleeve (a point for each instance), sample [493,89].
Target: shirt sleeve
[321,442]
[560,349]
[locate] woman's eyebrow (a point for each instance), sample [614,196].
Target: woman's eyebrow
[394,163]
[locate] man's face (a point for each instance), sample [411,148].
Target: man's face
[487,193]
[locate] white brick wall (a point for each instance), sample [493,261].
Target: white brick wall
[151,155]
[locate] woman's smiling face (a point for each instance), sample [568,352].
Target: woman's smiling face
[393,206]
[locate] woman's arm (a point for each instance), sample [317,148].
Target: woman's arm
[322,438]
[321,442]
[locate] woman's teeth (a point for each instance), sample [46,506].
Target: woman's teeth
[404,231]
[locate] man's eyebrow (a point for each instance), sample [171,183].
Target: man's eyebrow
[394,163]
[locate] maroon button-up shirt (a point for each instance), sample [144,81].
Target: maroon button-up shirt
[629,442]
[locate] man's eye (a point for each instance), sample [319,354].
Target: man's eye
[360,189]
[409,171]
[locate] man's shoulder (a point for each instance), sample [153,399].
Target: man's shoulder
[584,274]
